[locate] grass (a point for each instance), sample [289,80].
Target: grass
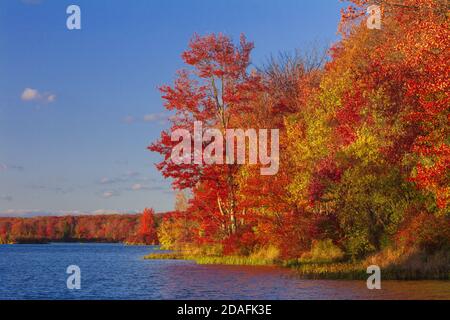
[357,271]
[322,251]
[263,257]
[165,256]
[225,260]
[394,264]
[235,260]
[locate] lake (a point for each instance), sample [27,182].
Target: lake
[115,271]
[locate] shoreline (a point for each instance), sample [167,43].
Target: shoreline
[49,241]
[346,270]
[81,241]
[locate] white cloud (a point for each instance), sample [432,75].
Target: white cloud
[152,117]
[109,194]
[105,180]
[128,176]
[137,186]
[140,187]
[160,117]
[30,94]
[51,98]
[129,181]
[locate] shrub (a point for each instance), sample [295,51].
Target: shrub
[426,232]
[241,243]
[269,253]
[323,251]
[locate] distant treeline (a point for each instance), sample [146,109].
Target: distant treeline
[129,228]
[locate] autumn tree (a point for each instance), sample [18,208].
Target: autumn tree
[412,50]
[147,232]
[214,90]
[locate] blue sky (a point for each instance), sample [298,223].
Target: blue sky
[78,108]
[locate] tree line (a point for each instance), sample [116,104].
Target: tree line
[364,140]
[128,228]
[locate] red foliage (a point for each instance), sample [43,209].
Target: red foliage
[93,228]
[147,231]
[241,243]
[326,171]
[349,117]
[425,231]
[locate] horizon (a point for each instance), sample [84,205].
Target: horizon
[43,214]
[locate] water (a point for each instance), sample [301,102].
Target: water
[115,271]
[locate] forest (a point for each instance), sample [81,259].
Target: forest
[127,228]
[364,147]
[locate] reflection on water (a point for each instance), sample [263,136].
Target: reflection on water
[114,271]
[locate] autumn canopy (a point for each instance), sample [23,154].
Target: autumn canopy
[364,140]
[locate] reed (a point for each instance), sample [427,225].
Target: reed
[394,264]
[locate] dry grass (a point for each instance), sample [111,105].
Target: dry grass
[322,251]
[395,264]
[165,256]
[264,256]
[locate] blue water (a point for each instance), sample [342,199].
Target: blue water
[115,271]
